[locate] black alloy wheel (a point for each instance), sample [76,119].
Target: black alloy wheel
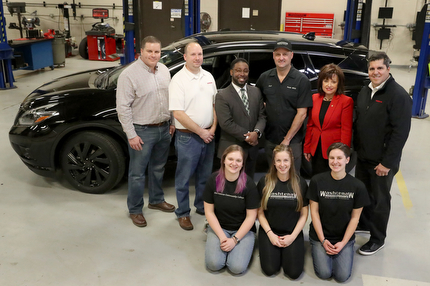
[92,162]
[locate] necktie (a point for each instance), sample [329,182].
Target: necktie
[244,99]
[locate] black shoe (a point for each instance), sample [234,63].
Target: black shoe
[370,248]
[200,212]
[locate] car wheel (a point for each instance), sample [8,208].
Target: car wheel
[83,48]
[92,162]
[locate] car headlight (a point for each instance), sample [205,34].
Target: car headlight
[37,115]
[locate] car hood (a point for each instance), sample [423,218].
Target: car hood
[80,80]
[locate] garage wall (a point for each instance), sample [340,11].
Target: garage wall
[51,17]
[398,47]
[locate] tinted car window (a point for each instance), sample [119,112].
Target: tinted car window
[219,67]
[263,61]
[321,60]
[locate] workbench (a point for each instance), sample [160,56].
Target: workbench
[37,53]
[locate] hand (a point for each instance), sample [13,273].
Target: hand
[136,143]
[285,142]
[381,170]
[274,239]
[308,156]
[207,135]
[329,248]
[171,130]
[338,247]
[227,244]
[251,138]
[286,240]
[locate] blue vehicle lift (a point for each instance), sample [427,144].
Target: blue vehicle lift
[191,20]
[422,80]
[357,22]
[6,55]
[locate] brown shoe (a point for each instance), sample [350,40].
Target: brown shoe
[164,206]
[185,223]
[138,220]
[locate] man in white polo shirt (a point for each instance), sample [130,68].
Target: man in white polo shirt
[191,99]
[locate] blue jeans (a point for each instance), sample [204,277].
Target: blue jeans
[153,157]
[194,157]
[338,266]
[236,260]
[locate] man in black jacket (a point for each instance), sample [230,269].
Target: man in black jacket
[381,130]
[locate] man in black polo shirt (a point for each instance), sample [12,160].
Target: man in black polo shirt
[287,94]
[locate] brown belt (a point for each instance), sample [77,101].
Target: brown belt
[185,130]
[156,124]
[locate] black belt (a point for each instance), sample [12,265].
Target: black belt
[156,124]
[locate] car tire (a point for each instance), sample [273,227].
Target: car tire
[92,162]
[83,48]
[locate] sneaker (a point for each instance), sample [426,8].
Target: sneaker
[370,248]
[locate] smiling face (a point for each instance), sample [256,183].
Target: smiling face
[233,163]
[239,74]
[337,161]
[378,72]
[193,57]
[282,58]
[329,85]
[150,54]
[282,163]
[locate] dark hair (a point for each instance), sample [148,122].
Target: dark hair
[342,147]
[272,178]
[149,39]
[238,60]
[327,72]
[220,178]
[379,56]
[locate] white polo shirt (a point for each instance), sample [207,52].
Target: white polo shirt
[194,94]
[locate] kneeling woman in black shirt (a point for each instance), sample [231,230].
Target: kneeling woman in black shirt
[336,199]
[231,202]
[282,215]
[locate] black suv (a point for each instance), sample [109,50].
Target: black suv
[70,124]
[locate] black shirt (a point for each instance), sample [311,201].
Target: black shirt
[336,200]
[281,211]
[230,208]
[282,101]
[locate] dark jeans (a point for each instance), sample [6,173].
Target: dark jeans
[291,258]
[153,157]
[375,216]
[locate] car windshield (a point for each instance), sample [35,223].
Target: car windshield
[169,54]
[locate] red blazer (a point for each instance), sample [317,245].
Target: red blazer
[337,125]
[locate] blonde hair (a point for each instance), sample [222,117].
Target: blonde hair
[272,178]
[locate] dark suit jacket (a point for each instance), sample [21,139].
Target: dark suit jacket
[235,121]
[337,126]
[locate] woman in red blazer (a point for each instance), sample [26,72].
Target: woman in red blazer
[330,118]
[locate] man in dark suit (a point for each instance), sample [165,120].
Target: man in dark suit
[240,112]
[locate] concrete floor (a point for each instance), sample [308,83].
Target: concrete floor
[51,234]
